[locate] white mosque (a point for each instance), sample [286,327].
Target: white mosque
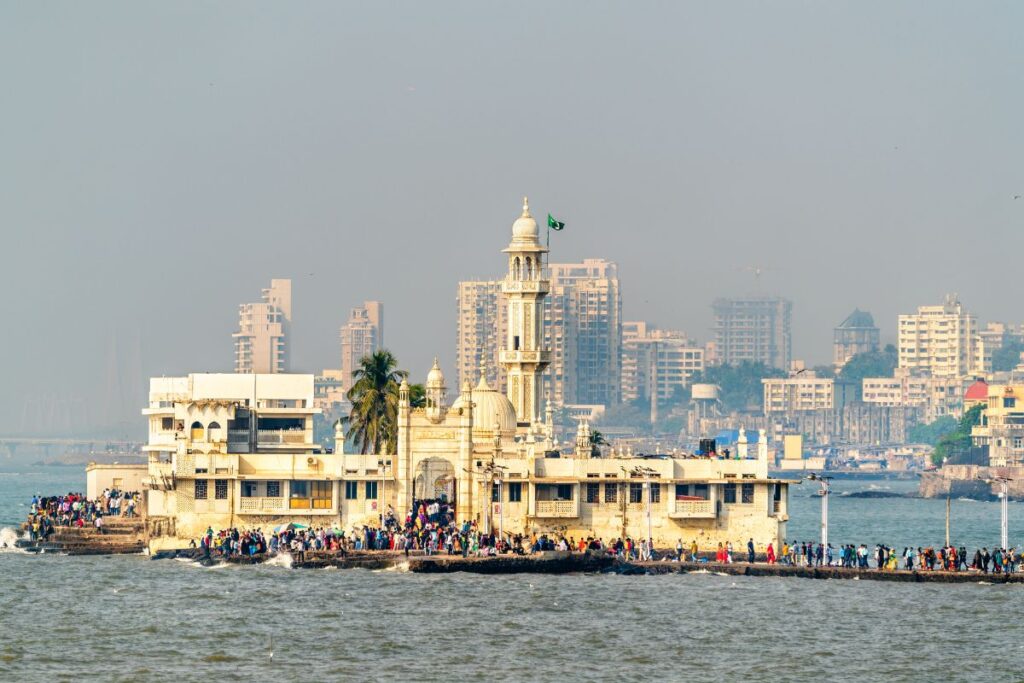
[490,453]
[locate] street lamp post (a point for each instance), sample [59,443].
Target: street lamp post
[825,490]
[1004,508]
[501,508]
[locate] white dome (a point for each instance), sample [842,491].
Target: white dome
[435,377]
[525,227]
[490,406]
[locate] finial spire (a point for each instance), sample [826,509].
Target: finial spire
[526,206]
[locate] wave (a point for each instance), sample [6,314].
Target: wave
[283,560]
[400,567]
[9,541]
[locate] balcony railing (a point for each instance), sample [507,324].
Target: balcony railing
[556,508]
[694,508]
[260,504]
[281,436]
[238,436]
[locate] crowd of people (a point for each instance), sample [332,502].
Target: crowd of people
[75,510]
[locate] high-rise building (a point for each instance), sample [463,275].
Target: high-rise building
[755,329]
[480,329]
[666,359]
[856,334]
[942,341]
[261,343]
[582,331]
[361,335]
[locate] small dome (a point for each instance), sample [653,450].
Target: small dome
[435,377]
[525,227]
[977,391]
[490,407]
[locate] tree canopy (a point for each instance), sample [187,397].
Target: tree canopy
[741,388]
[373,422]
[870,364]
[1008,356]
[931,433]
[955,447]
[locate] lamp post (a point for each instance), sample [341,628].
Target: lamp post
[949,504]
[825,490]
[501,508]
[646,472]
[383,466]
[1004,508]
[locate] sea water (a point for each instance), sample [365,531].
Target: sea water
[135,619]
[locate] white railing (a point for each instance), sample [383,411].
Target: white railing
[257,504]
[281,436]
[556,508]
[694,508]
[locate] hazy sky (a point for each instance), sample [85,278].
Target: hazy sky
[160,162]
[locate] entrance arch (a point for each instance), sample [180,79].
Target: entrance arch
[434,480]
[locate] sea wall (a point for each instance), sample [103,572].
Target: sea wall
[964,481]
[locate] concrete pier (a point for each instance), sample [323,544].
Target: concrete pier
[567,563]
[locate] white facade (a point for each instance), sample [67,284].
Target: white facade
[798,393]
[229,449]
[942,341]
[934,396]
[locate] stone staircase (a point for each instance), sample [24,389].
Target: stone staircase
[121,536]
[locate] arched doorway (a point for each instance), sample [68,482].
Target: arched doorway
[434,480]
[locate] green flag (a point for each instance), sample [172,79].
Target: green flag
[553,224]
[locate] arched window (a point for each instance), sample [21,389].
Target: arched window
[516,274]
[197,431]
[529,268]
[213,432]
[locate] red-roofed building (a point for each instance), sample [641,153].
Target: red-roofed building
[976,394]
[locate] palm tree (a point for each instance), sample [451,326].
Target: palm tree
[373,422]
[417,396]
[596,441]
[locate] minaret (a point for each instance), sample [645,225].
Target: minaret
[436,394]
[523,357]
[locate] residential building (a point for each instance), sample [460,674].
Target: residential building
[583,329]
[666,359]
[1002,425]
[802,391]
[942,341]
[261,343]
[933,396]
[582,332]
[856,334]
[480,328]
[227,450]
[361,335]
[755,329]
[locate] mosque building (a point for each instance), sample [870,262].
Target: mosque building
[494,455]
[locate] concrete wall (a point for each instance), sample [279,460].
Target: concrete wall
[122,477]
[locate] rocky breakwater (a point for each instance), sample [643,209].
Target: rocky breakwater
[967,481]
[120,536]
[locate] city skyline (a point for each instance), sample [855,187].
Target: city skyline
[699,158]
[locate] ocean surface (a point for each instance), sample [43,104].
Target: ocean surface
[130,618]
